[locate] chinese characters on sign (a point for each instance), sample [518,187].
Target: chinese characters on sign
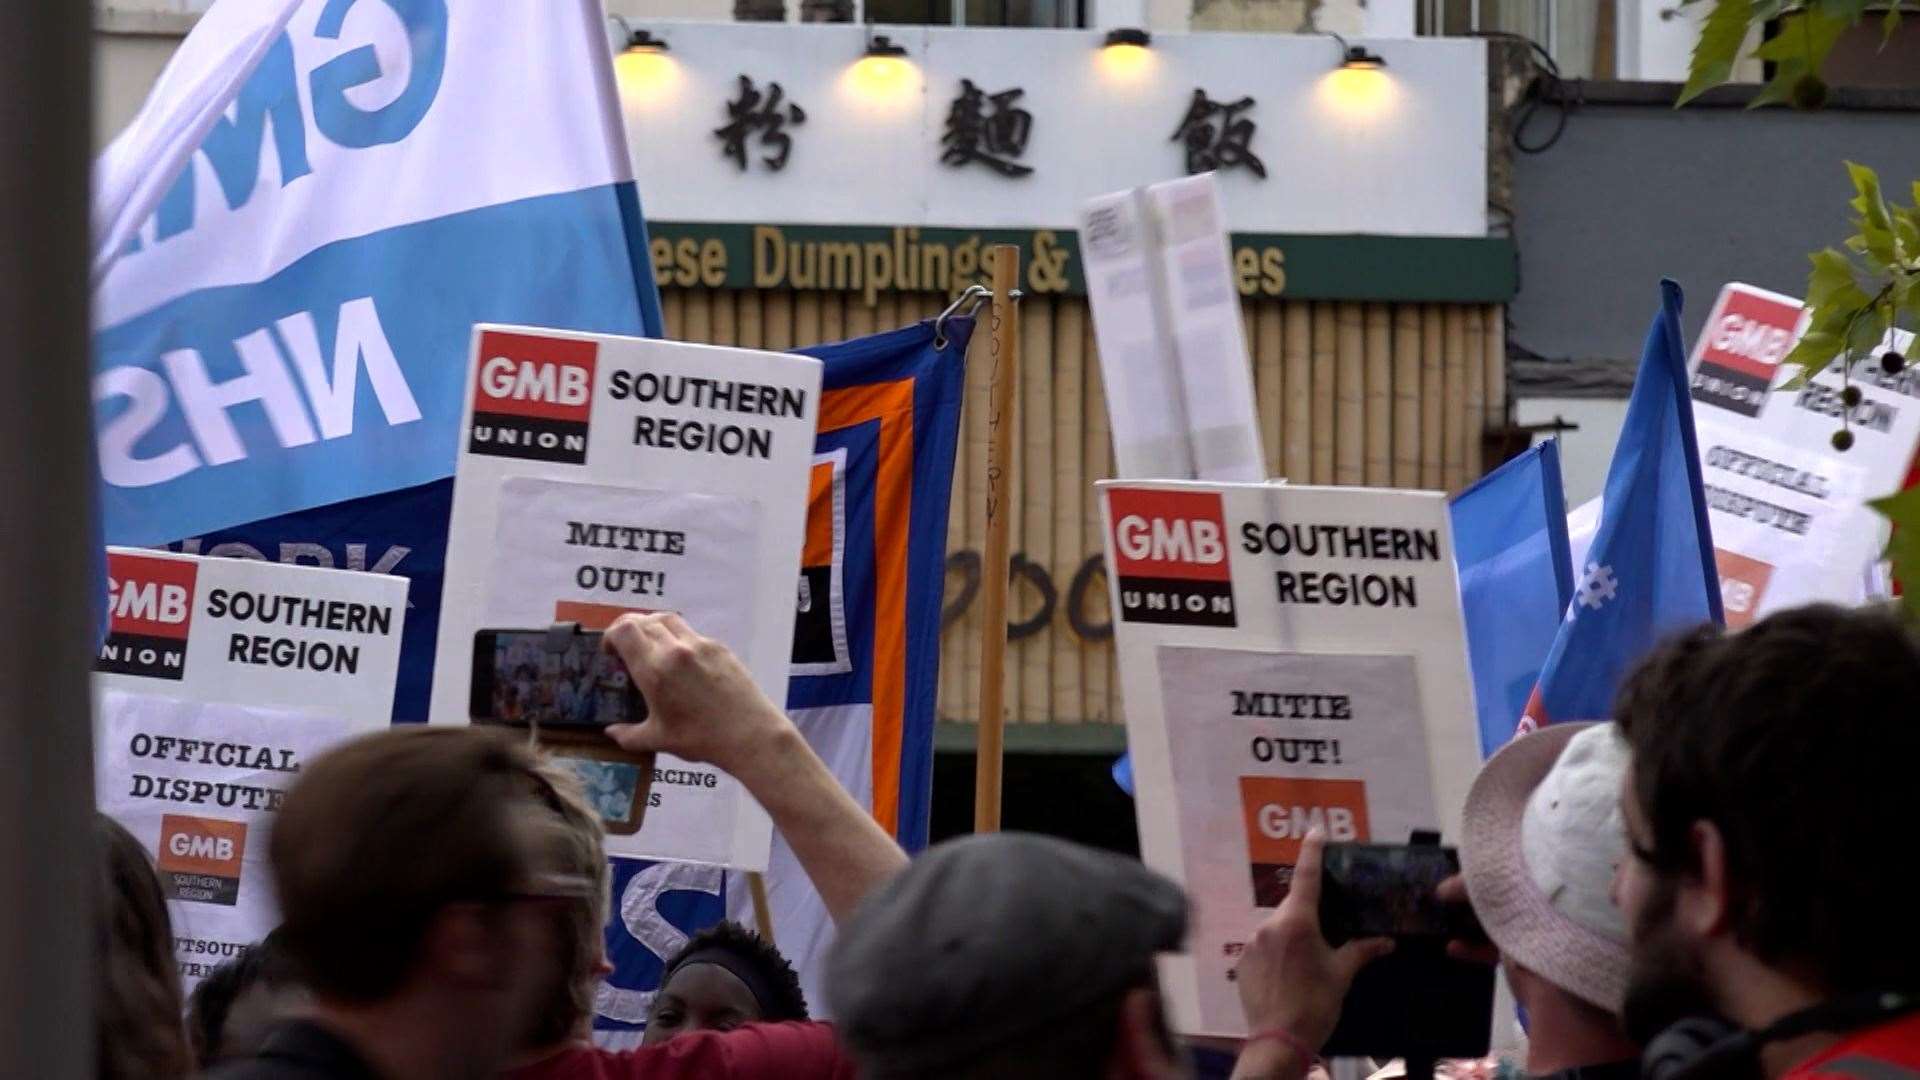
[990,129]
[987,128]
[1225,144]
[754,112]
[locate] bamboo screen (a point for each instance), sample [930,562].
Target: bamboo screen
[1349,393]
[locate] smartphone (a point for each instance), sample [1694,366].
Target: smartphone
[1388,890]
[557,677]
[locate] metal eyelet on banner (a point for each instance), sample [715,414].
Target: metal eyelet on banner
[975,295]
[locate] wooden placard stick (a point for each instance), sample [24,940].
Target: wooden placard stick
[1003,374]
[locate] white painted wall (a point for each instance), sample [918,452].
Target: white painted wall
[1412,162]
[1585,453]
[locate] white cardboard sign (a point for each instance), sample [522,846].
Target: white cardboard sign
[1290,657]
[1178,379]
[244,632]
[1787,509]
[217,680]
[199,784]
[600,475]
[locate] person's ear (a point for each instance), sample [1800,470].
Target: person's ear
[1143,1047]
[1704,901]
[461,945]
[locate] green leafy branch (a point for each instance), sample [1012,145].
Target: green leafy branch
[1798,52]
[1857,295]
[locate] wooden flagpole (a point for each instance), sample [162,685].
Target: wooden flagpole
[762,911]
[1003,374]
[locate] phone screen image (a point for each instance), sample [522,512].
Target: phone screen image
[1385,890]
[526,681]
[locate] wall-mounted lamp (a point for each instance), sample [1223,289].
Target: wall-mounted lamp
[648,78]
[882,47]
[643,41]
[883,77]
[1359,89]
[1357,57]
[1125,55]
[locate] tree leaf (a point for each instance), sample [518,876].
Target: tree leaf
[1871,203]
[1848,11]
[1906,233]
[1831,282]
[1798,50]
[1815,350]
[1889,24]
[1903,549]
[1721,36]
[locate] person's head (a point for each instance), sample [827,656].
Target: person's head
[1043,953]
[136,983]
[581,852]
[1541,842]
[725,976]
[233,1008]
[1761,810]
[418,874]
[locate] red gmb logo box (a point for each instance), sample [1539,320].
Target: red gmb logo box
[1170,557]
[149,615]
[533,397]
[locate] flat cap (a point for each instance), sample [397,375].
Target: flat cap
[992,938]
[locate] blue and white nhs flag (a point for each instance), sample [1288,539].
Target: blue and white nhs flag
[288,324]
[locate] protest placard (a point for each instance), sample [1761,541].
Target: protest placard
[1787,508]
[198,784]
[242,632]
[218,679]
[603,475]
[1290,657]
[1166,313]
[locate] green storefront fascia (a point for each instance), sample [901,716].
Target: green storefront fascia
[872,260]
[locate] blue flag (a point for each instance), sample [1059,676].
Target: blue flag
[1650,572]
[1510,543]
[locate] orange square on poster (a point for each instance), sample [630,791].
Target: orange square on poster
[1743,581]
[1281,810]
[197,845]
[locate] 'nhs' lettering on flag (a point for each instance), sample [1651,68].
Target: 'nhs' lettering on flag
[263,355]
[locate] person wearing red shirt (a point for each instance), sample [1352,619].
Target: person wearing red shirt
[703,706]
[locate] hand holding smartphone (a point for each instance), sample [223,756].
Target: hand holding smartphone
[566,689]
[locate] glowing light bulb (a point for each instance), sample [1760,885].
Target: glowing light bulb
[1358,93]
[882,79]
[1126,63]
[646,76]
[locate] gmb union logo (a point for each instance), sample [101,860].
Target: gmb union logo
[1744,346]
[532,397]
[199,858]
[1170,557]
[149,609]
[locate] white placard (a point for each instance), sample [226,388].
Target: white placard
[1333,741]
[1787,509]
[1330,618]
[1210,339]
[1166,313]
[1146,406]
[199,785]
[259,634]
[600,475]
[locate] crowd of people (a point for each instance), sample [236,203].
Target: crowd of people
[1707,887]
